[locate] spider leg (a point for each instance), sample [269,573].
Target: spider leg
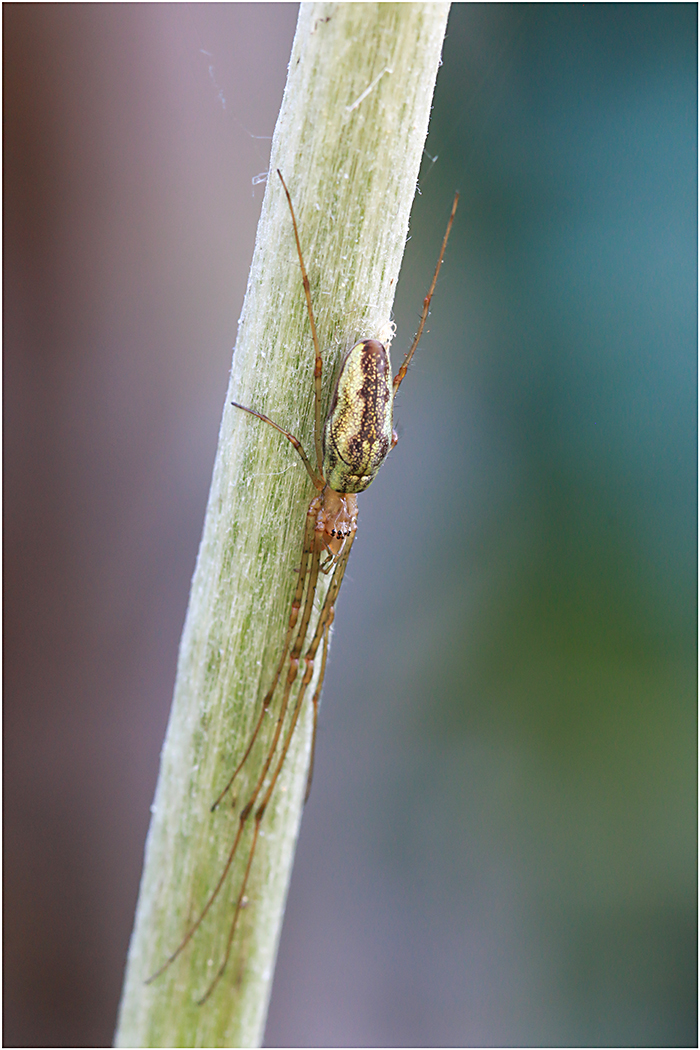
[318,363]
[245,812]
[315,699]
[327,565]
[293,616]
[401,374]
[317,694]
[260,811]
[317,480]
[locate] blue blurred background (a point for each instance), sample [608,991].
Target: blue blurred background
[500,847]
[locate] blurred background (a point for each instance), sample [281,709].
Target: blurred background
[500,846]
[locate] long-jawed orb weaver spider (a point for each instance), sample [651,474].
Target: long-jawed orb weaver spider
[350,448]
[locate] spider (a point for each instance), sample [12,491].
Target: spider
[349,450]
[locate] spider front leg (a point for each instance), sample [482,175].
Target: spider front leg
[324,620]
[315,699]
[310,556]
[307,548]
[291,677]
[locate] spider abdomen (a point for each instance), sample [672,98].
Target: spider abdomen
[358,432]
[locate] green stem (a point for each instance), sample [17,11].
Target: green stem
[349,141]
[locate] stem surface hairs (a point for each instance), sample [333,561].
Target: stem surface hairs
[349,450]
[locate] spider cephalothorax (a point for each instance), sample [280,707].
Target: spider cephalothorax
[336,519]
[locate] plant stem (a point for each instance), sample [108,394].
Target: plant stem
[349,141]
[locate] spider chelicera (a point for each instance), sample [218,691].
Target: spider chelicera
[349,450]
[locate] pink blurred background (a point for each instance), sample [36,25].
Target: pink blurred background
[129,225]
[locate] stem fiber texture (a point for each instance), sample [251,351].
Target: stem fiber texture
[349,141]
